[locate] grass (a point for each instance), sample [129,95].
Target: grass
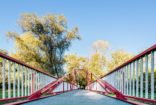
[111,95]
[6,93]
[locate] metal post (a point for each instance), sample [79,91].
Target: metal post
[63,86]
[14,80]
[137,82]
[31,75]
[152,75]
[22,81]
[120,73]
[41,80]
[124,79]
[18,86]
[130,80]
[133,78]
[3,78]
[29,82]
[33,81]
[141,78]
[127,80]
[122,85]
[146,88]
[25,82]
[113,79]
[118,80]
[38,80]
[9,91]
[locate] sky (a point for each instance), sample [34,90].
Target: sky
[125,24]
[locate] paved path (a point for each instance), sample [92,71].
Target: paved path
[78,97]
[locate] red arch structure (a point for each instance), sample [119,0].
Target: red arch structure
[135,79]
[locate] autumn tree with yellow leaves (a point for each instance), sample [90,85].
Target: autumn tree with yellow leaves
[118,57]
[43,41]
[98,62]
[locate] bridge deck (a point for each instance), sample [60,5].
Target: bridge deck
[78,97]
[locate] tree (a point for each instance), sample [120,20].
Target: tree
[74,61]
[98,60]
[43,41]
[97,64]
[79,63]
[118,57]
[100,46]
[94,64]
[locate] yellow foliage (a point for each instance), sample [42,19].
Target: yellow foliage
[118,57]
[74,62]
[94,64]
[26,46]
[100,46]
[44,41]
[97,63]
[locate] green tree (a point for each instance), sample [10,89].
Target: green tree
[43,41]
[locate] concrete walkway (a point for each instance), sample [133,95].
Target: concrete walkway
[78,97]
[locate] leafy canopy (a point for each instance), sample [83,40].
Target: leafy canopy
[97,63]
[43,41]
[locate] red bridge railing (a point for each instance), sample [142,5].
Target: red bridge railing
[19,80]
[135,78]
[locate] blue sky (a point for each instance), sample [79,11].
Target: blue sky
[125,24]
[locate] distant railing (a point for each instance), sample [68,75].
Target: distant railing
[18,79]
[136,77]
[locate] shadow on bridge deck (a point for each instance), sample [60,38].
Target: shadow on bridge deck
[78,97]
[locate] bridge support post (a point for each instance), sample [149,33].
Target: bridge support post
[63,86]
[33,81]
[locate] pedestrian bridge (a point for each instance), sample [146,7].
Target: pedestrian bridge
[132,83]
[78,97]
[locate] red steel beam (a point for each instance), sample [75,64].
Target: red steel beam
[106,86]
[46,88]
